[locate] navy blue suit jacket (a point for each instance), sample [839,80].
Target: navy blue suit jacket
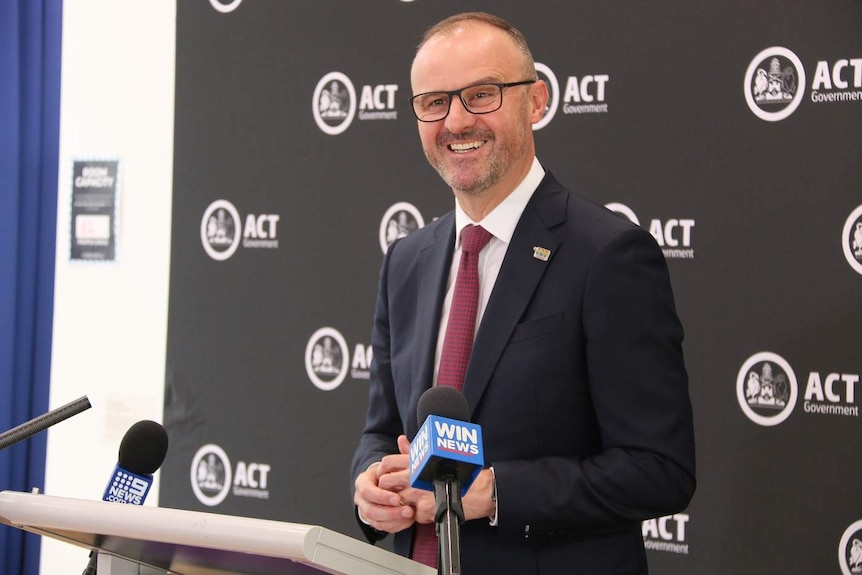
[576,377]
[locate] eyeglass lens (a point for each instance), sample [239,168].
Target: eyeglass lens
[477,99]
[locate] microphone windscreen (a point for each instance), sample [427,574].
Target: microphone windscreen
[143,448]
[443,401]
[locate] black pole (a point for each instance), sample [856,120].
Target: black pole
[449,515]
[42,422]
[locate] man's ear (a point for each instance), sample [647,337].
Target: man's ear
[538,101]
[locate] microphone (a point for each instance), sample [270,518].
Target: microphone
[446,443]
[43,422]
[142,451]
[445,457]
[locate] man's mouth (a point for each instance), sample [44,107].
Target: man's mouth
[463,147]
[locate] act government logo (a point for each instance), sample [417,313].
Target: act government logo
[213,478]
[335,103]
[775,83]
[328,361]
[851,240]
[223,230]
[673,235]
[211,475]
[850,550]
[766,388]
[580,94]
[399,220]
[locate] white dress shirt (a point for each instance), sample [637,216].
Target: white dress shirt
[501,222]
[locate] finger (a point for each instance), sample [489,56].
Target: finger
[368,492]
[412,496]
[403,444]
[387,518]
[392,463]
[395,481]
[423,502]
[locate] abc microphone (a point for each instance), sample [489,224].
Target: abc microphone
[445,457]
[142,451]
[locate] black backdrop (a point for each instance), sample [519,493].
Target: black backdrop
[731,130]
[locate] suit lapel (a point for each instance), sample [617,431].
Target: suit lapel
[519,276]
[434,261]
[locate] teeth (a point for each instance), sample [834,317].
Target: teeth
[465,147]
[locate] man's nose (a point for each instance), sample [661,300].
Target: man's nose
[459,119]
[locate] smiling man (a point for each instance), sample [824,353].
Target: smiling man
[572,360]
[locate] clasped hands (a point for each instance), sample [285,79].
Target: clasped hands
[387,502]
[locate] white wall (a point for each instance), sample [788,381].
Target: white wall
[110,319]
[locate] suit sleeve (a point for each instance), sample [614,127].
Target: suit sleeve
[382,423]
[645,466]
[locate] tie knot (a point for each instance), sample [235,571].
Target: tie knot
[474,238]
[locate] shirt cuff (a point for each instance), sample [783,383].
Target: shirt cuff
[494,497]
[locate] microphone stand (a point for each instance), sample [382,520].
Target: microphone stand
[43,422]
[449,515]
[92,564]
[92,567]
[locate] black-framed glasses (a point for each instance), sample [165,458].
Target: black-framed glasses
[477,99]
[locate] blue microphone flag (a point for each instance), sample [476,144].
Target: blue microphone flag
[448,442]
[127,487]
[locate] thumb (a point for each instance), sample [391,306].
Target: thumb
[403,445]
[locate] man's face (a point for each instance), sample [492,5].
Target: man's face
[474,153]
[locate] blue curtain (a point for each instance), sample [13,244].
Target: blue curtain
[30,43]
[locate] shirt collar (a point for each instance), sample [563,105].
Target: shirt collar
[502,220]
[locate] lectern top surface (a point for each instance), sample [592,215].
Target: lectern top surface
[198,543]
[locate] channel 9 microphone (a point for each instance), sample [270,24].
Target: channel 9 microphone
[446,455]
[142,451]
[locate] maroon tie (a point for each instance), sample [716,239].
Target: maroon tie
[457,345]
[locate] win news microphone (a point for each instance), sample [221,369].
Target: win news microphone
[447,443]
[142,451]
[445,457]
